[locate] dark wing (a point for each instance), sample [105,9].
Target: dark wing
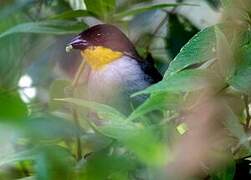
[148,67]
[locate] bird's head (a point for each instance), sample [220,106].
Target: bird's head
[102,44]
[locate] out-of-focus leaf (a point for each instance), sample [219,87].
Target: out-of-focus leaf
[12,108]
[141,141]
[101,165]
[48,128]
[233,125]
[225,172]
[17,156]
[185,81]
[102,8]
[224,55]
[57,27]
[199,49]
[135,11]
[72,14]
[241,80]
[7,10]
[158,101]
[57,90]
[53,162]
[104,111]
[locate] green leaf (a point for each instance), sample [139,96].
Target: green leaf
[54,162]
[136,11]
[12,108]
[56,27]
[72,14]
[102,8]
[184,81]
[48,128]
[198,50]
[104,111]
[157,101]
[241,80]
[15,6]
[102,165]
[140,140]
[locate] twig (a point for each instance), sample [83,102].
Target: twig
[248,117]
[74,111]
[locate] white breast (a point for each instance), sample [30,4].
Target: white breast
[116,82]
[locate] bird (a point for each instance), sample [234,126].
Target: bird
[114,68]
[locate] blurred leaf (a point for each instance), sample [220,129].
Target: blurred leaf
[224,54]
[53,162]
[136,11]
[57,90]
[226,172]
[12,108]
[101,165]
[48,128]
[241,80]
[184,81]
[198,50]
[57,27]
[13,7]
[140,140]
[14,157]
[72,14]
[102,8]
[157,101]
[233,125]
[104,111]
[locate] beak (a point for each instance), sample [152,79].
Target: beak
[76,43]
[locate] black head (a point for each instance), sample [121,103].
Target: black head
[104,35]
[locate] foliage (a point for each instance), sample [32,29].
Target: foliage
[195,123]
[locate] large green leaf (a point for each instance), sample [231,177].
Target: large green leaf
[198,50]
[102,8]
[184,81]
[57,27]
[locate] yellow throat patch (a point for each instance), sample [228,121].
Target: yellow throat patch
[98,56]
